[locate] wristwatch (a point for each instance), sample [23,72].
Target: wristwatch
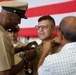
[25,60]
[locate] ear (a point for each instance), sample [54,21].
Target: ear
[61,36]
[54,29]
[8,17]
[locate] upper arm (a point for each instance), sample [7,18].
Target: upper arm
[5,54]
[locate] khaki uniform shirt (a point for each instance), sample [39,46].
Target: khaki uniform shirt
[20,44]
[6,51]
[34,65]
[18,56]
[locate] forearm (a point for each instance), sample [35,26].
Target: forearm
[17,68]
[41,61]
[43,57]
[14,70]
[19,49]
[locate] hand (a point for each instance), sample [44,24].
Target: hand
[31,54]
[30,46]
[47,47]
[56,40]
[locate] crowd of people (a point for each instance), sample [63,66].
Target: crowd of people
[53,56]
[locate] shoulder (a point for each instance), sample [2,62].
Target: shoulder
[19,44]
[56,48]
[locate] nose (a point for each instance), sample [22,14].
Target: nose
[12,33]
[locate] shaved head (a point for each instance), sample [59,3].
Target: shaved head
[68,28]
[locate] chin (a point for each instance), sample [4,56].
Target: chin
[42,38]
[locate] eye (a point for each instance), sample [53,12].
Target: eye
[37,27]
[44,27]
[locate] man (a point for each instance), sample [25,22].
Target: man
[11,15]
[13,34]
[46,29]
[64,62]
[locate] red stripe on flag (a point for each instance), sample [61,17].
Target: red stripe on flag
[52,9]
[27,32]
[6,0]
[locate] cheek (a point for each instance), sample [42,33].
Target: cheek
[59,36]
[48,32]
[13,20]
[16,34]
[38,32]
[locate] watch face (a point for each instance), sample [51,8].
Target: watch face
[26,61]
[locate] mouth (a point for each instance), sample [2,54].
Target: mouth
[41,34]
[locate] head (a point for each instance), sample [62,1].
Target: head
[12,12]
[13,33]
[45,27]
[67,30]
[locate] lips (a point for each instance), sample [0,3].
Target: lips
[41,34]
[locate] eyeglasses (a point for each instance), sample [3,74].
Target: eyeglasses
[41,26]
[59,29]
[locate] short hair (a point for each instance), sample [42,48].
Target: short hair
[68,28]
[47,17]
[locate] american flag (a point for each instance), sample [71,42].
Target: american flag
[37,8]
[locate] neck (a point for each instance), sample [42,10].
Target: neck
[64,42]
[45,40]
[14,41]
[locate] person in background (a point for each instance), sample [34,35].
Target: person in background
[63,62]
[13,34]
[11,14]
[45,29]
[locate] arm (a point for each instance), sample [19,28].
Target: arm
[14,70]
[46,50]
[27,47]
[7,66]
[17,68]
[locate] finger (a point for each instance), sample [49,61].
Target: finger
[34,43]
